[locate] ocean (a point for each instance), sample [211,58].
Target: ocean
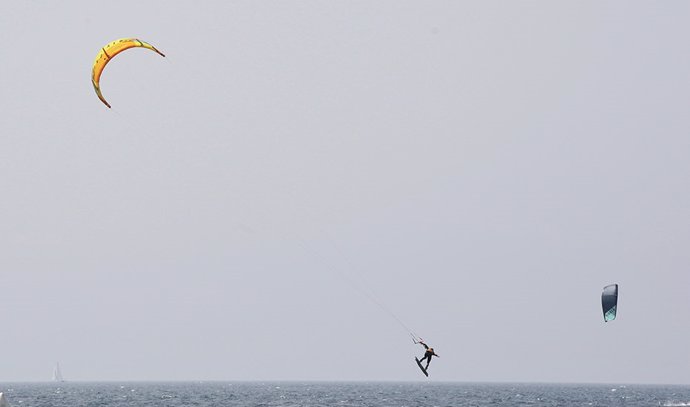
[265,394]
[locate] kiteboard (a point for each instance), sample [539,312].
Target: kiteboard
[421,367]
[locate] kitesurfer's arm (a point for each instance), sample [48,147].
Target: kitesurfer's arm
[423,344]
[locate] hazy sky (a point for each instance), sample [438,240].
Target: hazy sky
[481,169]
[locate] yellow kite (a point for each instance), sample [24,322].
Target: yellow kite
[107,53]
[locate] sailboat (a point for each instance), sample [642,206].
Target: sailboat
[3,401]
[57,374]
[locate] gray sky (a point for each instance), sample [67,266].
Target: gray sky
[481,169]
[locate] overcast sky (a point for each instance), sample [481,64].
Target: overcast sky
[264,202]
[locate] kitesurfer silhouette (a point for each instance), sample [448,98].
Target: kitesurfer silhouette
[427,354]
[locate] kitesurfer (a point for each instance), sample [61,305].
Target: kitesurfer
[427,354]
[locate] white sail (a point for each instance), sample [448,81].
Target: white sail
[3,401]
[57,374]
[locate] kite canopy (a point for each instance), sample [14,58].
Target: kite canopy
[609,302]
[107,53]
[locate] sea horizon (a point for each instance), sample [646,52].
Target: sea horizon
[344,381]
